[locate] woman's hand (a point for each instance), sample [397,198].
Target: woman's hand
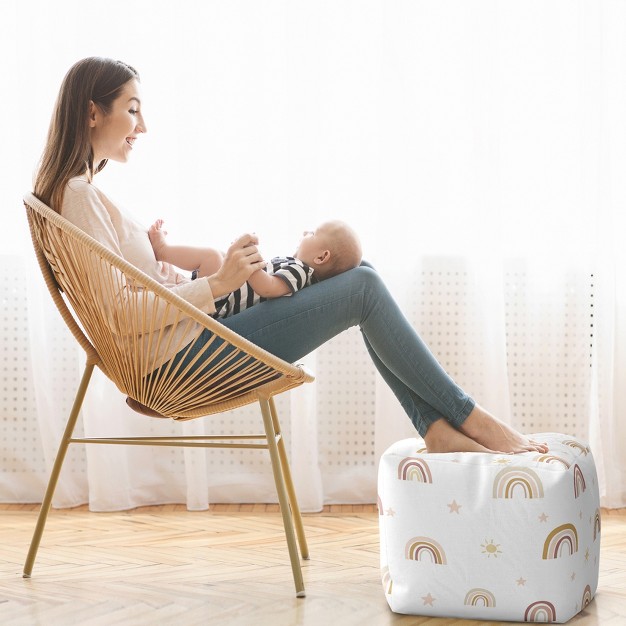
[241,261]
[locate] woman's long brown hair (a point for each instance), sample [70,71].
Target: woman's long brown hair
[68,151]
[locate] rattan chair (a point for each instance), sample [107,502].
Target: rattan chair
[126,322]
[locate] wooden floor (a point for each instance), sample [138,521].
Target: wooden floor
[229,565]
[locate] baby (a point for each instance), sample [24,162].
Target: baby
[329,250]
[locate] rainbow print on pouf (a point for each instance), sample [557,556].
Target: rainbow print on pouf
[579,481]
[490,537]
[480,597]
[517,482]
[572,443]
[540,611]
[425,549]
[387,582]
[415,469]
[562,541]
[596,524]
[550,458]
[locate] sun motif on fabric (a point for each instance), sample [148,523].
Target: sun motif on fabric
[491,549]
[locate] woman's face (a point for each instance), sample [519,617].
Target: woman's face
[113,135]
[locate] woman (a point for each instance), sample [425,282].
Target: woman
[98,117]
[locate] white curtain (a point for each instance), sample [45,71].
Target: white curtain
[479,148]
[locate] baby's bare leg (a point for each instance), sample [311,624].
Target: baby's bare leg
[206,260]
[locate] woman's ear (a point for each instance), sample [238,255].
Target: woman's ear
[93,113]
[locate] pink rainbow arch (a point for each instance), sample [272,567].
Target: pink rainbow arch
[414,469]
[540,611]
[579,481]
[379,504]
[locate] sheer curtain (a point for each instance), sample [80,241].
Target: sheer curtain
[478,147]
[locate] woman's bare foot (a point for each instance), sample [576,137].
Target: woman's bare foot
[489,431]
[442,437]
[157,238]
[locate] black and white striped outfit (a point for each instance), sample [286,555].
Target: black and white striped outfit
[294,272]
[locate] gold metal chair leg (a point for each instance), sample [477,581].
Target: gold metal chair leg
[283,497]
[56,470]
[293,500]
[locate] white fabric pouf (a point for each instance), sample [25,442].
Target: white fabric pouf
[490,536]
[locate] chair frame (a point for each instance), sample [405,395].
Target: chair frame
[48,228]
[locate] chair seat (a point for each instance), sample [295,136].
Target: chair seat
[136,406]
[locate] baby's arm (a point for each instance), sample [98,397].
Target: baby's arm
[268,286]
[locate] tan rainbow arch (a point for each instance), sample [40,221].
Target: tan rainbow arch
[596,524]
[579,481]
[512,480]
[425,549]
[554,460]
[414,469]
[540,611]
[572,443]
[587,597]
[480,597]
[562,538]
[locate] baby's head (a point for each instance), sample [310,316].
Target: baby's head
[332,248]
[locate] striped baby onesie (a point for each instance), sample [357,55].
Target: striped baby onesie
[294,272]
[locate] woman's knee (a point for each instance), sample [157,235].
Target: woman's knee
[368,277]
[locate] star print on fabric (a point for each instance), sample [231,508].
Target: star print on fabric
[390,512]
[454,507]
[501,461]
[587,555]
[520,581]
[573,576]
[428,599]
[580,515]
[543,517]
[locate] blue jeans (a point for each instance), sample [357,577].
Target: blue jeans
[294,326]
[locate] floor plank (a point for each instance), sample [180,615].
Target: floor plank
[229,565]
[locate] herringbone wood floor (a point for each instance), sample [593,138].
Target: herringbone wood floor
[165,565]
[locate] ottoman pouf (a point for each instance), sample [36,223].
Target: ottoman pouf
[490,536]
